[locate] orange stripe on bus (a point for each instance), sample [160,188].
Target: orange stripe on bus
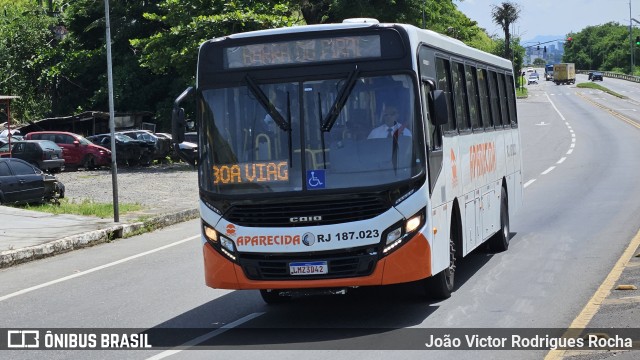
[410,262]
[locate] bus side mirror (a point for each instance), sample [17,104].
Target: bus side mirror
[178,123]
[441,110]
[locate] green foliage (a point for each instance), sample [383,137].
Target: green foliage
[82,71]
[84,207]
[522,92]
[438,15]
[183,25]
[518,52]
[602,47]
[155,45]
[590,85]
[26,52]
[483,42]
[539,62]
[505,15]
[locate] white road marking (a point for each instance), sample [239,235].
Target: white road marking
[205,337]
[573,140]
[548,170]
[89,271]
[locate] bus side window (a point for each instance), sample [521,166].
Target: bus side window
[484,99]
[511,96]
[434,132]
[459,96]
[444,83]
[503,101]
[472,97]
[495,99]
[433,135]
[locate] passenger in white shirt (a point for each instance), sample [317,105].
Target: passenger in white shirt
[391,127]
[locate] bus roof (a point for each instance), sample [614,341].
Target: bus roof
[416,35]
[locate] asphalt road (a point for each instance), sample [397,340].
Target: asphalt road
[580,214]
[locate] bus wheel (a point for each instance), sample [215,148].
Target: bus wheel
[440,286]
[500,241]
[273,297]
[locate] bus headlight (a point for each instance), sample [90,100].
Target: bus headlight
[394,235]
[413,223]
[210,233]
[227,244]
[402,232]
[222,244]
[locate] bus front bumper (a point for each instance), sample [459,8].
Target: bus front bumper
[410,262]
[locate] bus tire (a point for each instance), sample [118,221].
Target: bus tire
[273,297]
[499,242]
[440,286]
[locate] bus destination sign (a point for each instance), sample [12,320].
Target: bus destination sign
[257,172]
[303,51]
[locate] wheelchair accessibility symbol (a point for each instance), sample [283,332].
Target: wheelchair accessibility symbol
[315,179]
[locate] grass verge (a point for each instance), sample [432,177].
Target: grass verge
[84,207]
[590,85]
[522,92]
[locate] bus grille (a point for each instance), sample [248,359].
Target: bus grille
[348,264]
[333,211]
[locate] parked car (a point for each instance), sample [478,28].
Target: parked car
[4,150]
[596,76]
[191,137]
[21,182]
[188,148]
[15,136]
[161,146]
[76,150]
[533,79]
[15,133]
[43,154]
[128,151]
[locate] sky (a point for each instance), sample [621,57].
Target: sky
[552,17]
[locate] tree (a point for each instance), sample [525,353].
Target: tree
[180,26]
[602,47]
[505,15]
[517,50]
[27,51]
[82,69]
[539,62]
[438,15]
[155,44]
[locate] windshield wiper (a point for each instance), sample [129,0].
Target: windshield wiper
[268,105]
[341,100]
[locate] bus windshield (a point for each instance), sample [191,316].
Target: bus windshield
[374,140]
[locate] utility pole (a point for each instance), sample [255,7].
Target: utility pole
[631,39]
[114,165]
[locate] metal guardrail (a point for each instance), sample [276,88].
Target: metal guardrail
[612,75]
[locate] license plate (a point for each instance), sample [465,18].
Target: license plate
[308,268]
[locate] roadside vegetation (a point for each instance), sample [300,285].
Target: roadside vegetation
[84,207]
[53,52]
[601,47]
[522,92]
[590,85]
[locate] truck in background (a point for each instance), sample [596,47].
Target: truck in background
[548,72]
[564,73]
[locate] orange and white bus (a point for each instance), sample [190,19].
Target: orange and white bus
[354,154]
